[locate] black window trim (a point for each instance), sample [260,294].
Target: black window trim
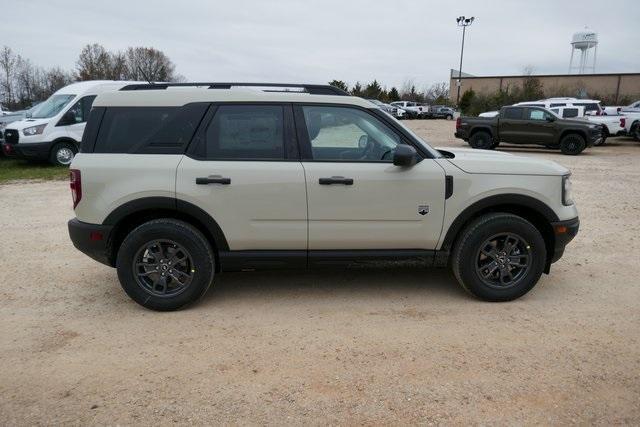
[305,145]
[291,153]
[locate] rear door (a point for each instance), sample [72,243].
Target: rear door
[357,198]
[243,169]
[513,127]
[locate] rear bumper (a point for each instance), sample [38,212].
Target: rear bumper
[93,240]
[564,232]
[461,134]
[33,151]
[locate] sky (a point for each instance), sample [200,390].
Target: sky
[311,41]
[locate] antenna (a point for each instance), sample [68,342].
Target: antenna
[144,75]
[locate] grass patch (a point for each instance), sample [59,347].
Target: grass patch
[12,169]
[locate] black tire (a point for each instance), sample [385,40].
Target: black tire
[466,258]
[62,153]
[481,140]
[605,135]
[572,144]
[635,131]
[449,117]
[193,246]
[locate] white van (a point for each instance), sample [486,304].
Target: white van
[592,107]
[54,128]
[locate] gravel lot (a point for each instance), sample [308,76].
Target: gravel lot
[381,346]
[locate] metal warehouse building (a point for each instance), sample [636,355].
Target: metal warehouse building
[613,87]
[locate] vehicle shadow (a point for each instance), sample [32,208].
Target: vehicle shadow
[405,280]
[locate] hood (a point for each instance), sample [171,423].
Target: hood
[25,123]
[495,162]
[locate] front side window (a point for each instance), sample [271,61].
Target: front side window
[80,110]
[51,106]
[348,134]
[246,132]
[538,115]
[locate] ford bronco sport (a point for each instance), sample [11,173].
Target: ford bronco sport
[175,183]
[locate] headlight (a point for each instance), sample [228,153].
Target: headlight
[34,130]
[567,197]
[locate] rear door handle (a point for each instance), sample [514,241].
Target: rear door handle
[336,180]
[214,179]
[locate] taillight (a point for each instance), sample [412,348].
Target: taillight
[623,122]
[458,123]
[75,183]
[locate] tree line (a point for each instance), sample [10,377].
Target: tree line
[437,93]
[22,83]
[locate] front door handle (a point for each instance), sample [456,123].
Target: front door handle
[336,180]
[214,179]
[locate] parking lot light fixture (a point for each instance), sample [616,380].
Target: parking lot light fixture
[463,22]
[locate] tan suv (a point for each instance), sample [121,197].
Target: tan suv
[175,183]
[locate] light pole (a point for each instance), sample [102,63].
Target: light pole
[464,23]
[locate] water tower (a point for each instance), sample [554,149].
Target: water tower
[585,42]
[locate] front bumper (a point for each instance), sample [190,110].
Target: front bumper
[93,240]
[564,232]
[33,151]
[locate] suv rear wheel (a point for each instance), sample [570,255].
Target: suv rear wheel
[499,257]
[572,144]
[165,264]
[481,140]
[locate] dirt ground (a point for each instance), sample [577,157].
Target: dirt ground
[381,346]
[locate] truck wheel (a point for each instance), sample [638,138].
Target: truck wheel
[499,257]
[572,144]
[481,140]
[165,264]
[635,131]
[605,135]
[62,154]
[449,117]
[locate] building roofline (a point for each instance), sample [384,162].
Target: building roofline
[519,76]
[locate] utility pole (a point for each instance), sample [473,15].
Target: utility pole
[464,23]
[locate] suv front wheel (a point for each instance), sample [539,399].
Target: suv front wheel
[499,257]
[165,264]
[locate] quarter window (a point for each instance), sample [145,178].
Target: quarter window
[348,134]
[246,132]
[148,130]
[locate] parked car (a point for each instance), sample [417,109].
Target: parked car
[441,112]
[620,109]
[528,125]
[413,110]
[172,187]
[632,124]
[396,112]
[591,106]
[54,129]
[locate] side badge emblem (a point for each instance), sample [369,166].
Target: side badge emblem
[423,209]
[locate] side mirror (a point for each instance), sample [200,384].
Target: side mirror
[69,118]
[405,155]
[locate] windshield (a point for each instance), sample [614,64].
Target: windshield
[51,106]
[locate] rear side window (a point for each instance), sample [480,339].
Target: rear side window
[513,113]
[148,130]
[562,104]
[588,106]
[570,112]
[246,132]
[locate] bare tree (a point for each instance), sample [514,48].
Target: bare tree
[8,64]
[438,93]
[96,63]
[143,63]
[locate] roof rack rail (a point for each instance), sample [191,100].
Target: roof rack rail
[308,88]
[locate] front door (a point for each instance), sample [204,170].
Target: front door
[243,173]
[357,198]
[541,126]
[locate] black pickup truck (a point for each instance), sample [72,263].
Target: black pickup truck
[528,125]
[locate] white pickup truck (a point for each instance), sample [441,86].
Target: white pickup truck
[414,110]
[611,125]
[632,124]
